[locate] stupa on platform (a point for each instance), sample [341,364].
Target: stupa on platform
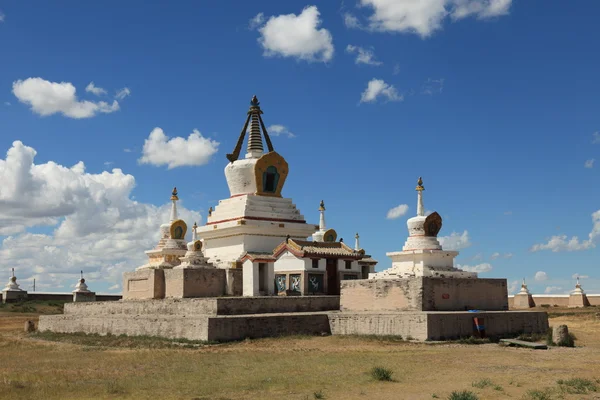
[256,243]
[424,296]
[12,292]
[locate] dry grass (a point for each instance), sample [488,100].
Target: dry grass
[37,366]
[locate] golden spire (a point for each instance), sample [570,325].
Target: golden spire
[322,206]
[174,194]
[420,186]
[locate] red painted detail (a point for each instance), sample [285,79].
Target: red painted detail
[445,296]
[258,219]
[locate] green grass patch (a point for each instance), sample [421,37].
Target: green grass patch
[122,341]
[464,395]
[537,394]
[474,340]
[382,374]
[318,395]
[577,386]
[35,306]
[482,383]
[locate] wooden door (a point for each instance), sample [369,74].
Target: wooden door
[333,285]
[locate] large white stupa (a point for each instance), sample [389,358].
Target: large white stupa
[255,218]
[422,254]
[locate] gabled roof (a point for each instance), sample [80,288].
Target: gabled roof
[305,248]
[368,260]
[258,256]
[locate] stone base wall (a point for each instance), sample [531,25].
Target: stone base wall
[432,325]
[84,296]
[235,281]
[522,301]
[424,294]
[196,282]
[13,296]
[144,284]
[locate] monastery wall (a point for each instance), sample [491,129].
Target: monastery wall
[49,296]
[559,300]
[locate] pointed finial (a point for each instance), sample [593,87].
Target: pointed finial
[341,240]
[194,231]
[287,238]
[254,102]
[81,273]
[13,272]
[322,206]
[420,186]
[210,210]
[578,285]
[356,236]
[174,194]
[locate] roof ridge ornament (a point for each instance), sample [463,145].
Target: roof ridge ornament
[254,137]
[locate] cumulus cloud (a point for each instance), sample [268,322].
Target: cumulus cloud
[256,21]
[48,98]
[297,36]
[91,88]
[479,268]
[363,56]
[497,255]
[280,130]
[96,225]
[122,93]
[589,163]
[513,286]
[174,152]
[424,17]
[563,243]
[351,21]
[377,88]
[541,276]
[397,211]
[455,241]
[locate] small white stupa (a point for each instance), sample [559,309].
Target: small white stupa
[81,292]
[12,291]
[422,254]
[577,298]
[193,257]
[323,234]
[171,246]
[523,299]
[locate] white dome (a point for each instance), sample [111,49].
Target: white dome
[240,176]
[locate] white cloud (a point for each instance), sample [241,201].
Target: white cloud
[159,149]
[91,88]
[455,241]
[363,56]
[114,288]
[351,21]
[596,137]
[562,243]
[553,289]
[497,255]
[108,163]
[47,98]
[424,17]
[278,130]
[480,8]
[256,21]
[2,16]
[127,150]
[397,211]
[433,86]
[575,276]
[479,268]
[297,36]
[541,276]
[378,88]
[122,93]
[98,227]
[396,70]
[589,163]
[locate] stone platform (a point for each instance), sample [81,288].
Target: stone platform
[214,319]
[437,325]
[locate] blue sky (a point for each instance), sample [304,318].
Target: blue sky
[493,102]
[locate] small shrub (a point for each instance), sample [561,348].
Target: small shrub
[577,386]
[464,395]
[381,374]
[434,396]
[538,395]
[498,388]
[545,305]
[473,340]
[113,387]
[410,338]
[482,384]
[319,395]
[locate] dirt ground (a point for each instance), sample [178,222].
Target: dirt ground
[331,367]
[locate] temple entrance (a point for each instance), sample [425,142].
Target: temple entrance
[333,285]
[365,272]
[262,278]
